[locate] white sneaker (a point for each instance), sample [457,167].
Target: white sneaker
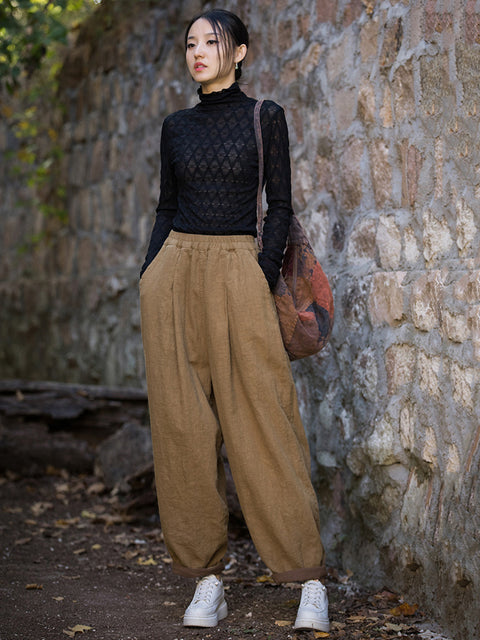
[208,605]
[313,609]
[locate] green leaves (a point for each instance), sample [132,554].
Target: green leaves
[28,31]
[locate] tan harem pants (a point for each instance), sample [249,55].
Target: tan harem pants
[217,372]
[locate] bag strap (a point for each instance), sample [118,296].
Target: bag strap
[258,138]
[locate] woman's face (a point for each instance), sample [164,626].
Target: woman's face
[205,57]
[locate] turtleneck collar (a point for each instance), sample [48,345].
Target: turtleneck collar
[220,97]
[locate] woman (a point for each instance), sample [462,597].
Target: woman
[216,367]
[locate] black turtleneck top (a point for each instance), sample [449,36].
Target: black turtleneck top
[209,174]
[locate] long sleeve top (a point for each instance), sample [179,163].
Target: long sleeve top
[209,174]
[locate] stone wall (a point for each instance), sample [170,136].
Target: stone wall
[382,100]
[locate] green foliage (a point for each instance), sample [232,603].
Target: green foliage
[29,29]
[33,36]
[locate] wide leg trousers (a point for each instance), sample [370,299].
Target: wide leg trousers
[217,372]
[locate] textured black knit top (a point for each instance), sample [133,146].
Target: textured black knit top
[209,174]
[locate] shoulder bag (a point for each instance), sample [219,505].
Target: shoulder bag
[303,296]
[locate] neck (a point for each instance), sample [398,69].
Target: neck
[218,84]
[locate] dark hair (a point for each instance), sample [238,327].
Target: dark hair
[233,32]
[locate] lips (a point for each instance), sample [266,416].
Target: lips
[199,66]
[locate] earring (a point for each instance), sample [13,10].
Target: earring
[236,66]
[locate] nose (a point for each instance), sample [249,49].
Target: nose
[198,50]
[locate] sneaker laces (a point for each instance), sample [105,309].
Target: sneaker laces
[312,593]
[204,590]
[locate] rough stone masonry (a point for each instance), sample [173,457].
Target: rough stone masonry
[382,99]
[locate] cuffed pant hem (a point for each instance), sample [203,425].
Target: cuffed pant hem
[300,575]
[201,572]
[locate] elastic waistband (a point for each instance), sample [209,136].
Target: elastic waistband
[201,241]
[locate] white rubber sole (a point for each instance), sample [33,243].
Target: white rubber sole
[196,620]
[312,623]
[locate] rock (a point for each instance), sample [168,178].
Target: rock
[123,454]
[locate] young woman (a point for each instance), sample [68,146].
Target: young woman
[216,367]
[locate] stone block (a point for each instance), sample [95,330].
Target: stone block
[85,256]
[284,35]
[78,166]
[311,58]
[326,10]
[107,204]
[290,72]
[466,228]
[455,326]
[437,239]
[326,175]
[340,58]
[345,107]
[400,366]
[366,102]
[386,111]
[467,288]
[412,162]
[352,11]
[98,161]
[369,40]
[351,178]
[453,459]
[389,242]
[434,82]
[403,93]
[362,245]
[386,300]
[381,172]
[382,444]
[427,301]
[392,41]
[410,244]
[430,449]
[365,375]
[408,422]
[463,379]
[429,370]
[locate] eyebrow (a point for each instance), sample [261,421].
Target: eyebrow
[207,34]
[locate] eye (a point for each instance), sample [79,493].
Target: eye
[212,41]
[190,45]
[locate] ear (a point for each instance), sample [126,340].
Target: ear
[240,53]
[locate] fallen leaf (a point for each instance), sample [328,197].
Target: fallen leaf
[393,627]
[66,522]
[404,609]
[129,555]
[386,595]
[96,488]
[95,547]
[78,628]
[265,578]
[21,541]
[356,619]
[88,514]
[321,634]
[13,509]
[337,625]
[168,603]
[79,552]
[40,507]
[33,586]
[58,598]
[283,623]
[147,561]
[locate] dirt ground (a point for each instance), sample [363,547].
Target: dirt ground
[75,564]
